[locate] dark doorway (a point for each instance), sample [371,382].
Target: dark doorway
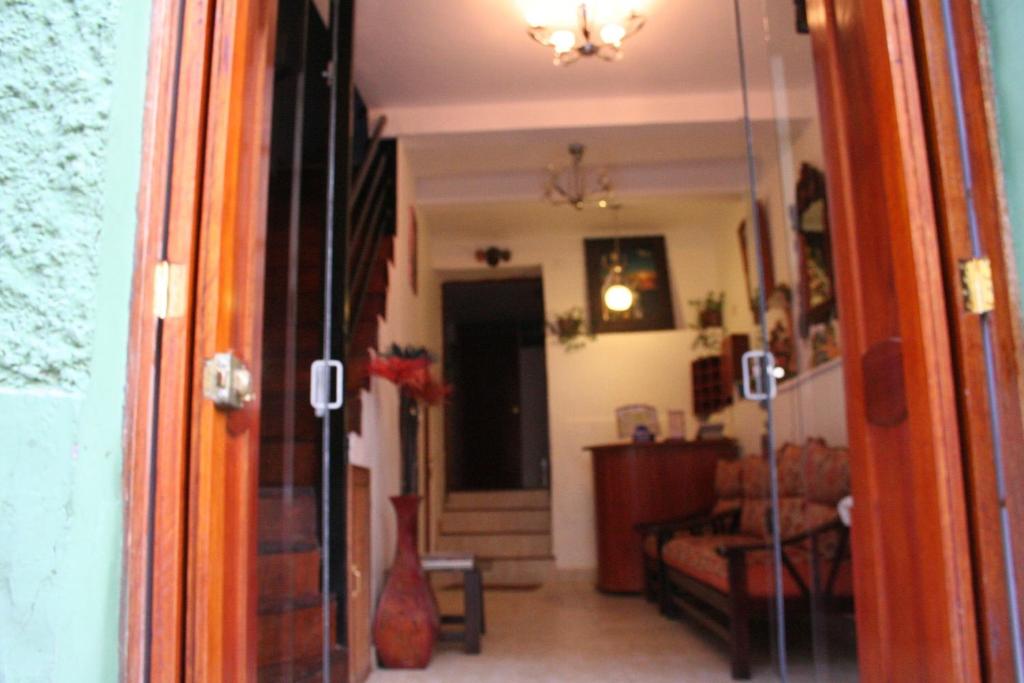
[497,429]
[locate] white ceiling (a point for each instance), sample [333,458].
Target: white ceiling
[502,220]
[431,52]
[481,110]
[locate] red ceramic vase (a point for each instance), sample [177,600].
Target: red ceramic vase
[407,622]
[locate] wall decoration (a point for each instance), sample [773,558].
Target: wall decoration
[493,256]
[570,328]
[817,279]
[642,264]
[779,319]
[824,342]
[638,415]
[748,248]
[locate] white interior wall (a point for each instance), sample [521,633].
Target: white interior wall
[586,386]
[410,320]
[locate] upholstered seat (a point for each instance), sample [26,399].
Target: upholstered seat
[726,563]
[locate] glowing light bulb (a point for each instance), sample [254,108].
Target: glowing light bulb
[779,372]
[613,34]
[563,41]
[618,298]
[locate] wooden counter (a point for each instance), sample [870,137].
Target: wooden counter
[646,483]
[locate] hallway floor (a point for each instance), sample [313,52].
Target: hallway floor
[567,631]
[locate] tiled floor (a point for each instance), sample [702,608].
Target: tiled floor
[569,632]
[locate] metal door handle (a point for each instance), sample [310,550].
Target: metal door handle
[766,369]
[320,386]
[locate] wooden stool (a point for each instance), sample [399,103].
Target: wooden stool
[472,617]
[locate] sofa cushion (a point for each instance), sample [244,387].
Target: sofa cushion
[728,479]
[697,557]
[826,473]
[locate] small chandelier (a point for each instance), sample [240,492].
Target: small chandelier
[593,35]
[572,186]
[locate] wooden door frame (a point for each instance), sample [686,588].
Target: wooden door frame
[200,106]
[977,436]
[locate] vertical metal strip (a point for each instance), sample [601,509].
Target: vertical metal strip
[765,368]
[985,322]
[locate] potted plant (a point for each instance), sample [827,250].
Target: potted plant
[710,320]
[407,623]
[570,328]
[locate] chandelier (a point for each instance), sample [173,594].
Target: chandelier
[574,186]
[599,30]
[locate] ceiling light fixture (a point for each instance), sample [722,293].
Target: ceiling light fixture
[617,290]
[572,186]
[599,30]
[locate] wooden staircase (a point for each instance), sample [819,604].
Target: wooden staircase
[508,531]
[290,552]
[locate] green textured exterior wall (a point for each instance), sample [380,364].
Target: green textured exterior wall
[72,81]
[1005,19]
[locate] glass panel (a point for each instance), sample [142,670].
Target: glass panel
[800,321]
[292,601]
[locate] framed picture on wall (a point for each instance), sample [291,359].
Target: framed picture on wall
[640,265]
[748,252]
[817,280]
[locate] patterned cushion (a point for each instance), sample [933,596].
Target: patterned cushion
[791,471]
[754,518]
[697,557]
[726,505]
[826,473]
[754,477]
[728,481]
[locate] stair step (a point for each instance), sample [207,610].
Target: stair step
[287,515]
[305,670]
[488,521]
[519,571]
[305,463]
[497,545]
[292,634]
[536,499]
[283,575]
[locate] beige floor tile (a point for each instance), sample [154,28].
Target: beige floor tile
[568,632]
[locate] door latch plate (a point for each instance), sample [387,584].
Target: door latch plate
[978,289]
[227,381]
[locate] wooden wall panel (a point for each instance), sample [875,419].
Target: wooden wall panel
[915,606]
[360,598]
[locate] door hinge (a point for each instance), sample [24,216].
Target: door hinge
[227,382]
[168,290]
[978,288]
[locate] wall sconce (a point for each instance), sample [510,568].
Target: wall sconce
[493,256]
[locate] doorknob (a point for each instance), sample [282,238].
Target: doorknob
[227,381]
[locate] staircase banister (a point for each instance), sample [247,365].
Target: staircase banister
[369,159]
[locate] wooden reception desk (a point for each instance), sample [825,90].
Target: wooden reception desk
[636,482]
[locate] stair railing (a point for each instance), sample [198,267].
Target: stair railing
[372,211]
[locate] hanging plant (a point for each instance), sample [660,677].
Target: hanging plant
[570,328]
[710,321]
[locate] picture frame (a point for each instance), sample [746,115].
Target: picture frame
[645,269]
[814,243]
[748,247]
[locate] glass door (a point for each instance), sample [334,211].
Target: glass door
[796,371]
[301,601]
